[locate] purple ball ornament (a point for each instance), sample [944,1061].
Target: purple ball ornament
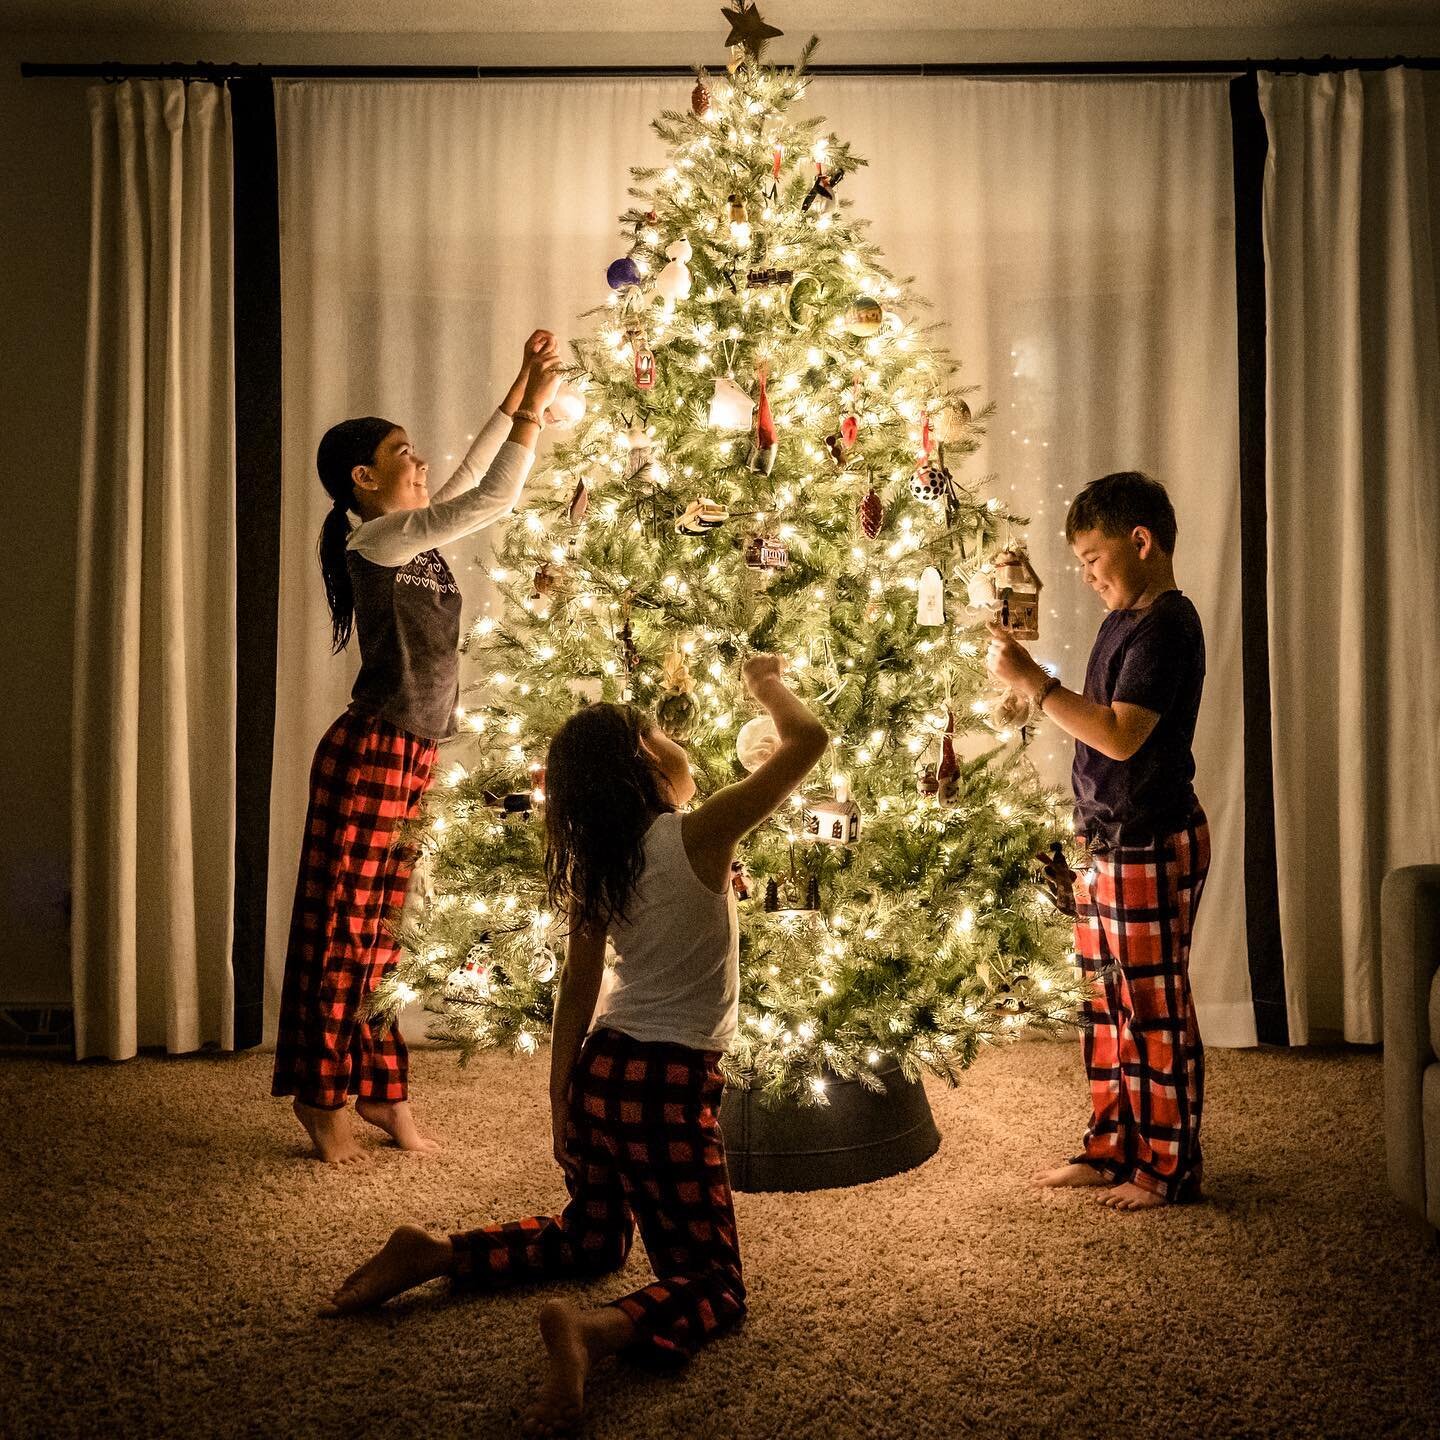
[622,273]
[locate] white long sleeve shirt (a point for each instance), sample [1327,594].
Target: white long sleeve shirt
[407,604]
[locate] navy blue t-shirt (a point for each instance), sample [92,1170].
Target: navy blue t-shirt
[1155,658]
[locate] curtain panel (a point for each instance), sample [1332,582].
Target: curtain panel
[154,729]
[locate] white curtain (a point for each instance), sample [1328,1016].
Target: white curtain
[1352,225]
[153,761]
[1075,237]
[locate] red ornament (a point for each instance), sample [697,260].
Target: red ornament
[644,367]
[849,431]
[872,514]
[949,771]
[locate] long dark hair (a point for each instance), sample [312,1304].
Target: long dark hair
[601,793]
[342,448]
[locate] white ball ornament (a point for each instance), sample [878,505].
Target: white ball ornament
[757,741]
[567,408]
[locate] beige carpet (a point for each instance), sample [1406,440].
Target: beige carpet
[164,1243]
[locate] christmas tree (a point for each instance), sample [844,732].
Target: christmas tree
[764,452]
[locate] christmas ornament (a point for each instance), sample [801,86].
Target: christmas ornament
[863,317]
[469,985]
[980,591]
[517,805]
[1058,878]
[676,710]
[948,774]
[1018,588]
[748,29]
[832,822]
[566,408]
[636,443]
[926,780]
[930,609]
[700,98]
[802,301]
[953,422]
[738,219]
[544,965]
[763,447]
[835,447]
[930,483]
[644,361]
[579,502]
[764,553]
[763,279]
[740,879]
[730,406]
[700,517]
[849,431]
[674,281]
[791,901]
[757,741]
[1009,710]
[931,480]
[821,197]
[544,583]
[872,514]
[622,273]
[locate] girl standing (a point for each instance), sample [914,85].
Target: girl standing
[386,580]
[635,1083]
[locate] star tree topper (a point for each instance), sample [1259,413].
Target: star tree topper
[748,28]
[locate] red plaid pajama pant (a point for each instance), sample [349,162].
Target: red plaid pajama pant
[367,777]
[645,1142]
[1136,909]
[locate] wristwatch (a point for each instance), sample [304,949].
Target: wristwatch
[1052,682]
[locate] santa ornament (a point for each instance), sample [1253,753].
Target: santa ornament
[762,448]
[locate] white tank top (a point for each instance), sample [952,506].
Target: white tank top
[676,975]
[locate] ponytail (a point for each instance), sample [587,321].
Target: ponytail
[342,448]
[339,593]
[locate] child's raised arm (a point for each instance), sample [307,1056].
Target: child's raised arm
[712,832]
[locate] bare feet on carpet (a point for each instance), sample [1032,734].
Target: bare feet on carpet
[397,1122]
[1132,1197]
[1066,1176]
[574,1340]
[331,1133]
[410,1257]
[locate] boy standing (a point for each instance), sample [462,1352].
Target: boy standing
[1146,840]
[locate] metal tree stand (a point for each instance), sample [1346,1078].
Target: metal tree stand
[859,1136]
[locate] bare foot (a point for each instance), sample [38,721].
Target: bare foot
[397,1122]
[410,1257]
[1066,1176]
[331,1133]
[1132,1197]
[574,1340]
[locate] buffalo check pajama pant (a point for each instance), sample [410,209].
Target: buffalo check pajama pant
[367,778]
[646,1148]
[1136,909]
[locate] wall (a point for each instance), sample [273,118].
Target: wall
[44,184]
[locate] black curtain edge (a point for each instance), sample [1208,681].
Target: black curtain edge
[1264,945]
[256,231]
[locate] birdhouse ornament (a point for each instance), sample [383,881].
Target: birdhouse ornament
[1017,588]
[833,822]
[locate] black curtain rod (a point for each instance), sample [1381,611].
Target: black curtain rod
[218,72]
